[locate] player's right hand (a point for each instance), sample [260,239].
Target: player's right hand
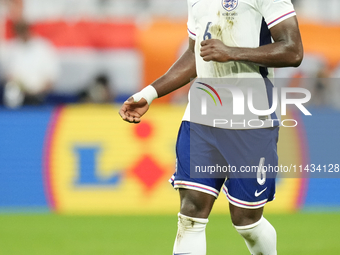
[132,111]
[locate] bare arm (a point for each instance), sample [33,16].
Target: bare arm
[177,76]
[287,49]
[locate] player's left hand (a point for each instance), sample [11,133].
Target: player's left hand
[215,50]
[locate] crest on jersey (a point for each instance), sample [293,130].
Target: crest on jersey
[229,5]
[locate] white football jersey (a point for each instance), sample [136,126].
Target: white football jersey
[237,23]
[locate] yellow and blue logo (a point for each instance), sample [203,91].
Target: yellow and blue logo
[96,163]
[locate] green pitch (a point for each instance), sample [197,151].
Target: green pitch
[310,234]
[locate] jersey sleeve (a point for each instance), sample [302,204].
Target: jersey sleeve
[191,22]
[275,11]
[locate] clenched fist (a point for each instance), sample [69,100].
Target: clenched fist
[215,50]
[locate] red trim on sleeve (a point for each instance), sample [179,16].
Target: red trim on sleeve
[191,32]
[280,17]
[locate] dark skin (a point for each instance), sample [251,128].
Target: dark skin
[286,51]
[178,75]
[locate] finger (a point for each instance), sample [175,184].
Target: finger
[130,119]
[129,115]
[127,119]
[205,53]
[136,120]
[205,42]
[122,114]
[204,48]
[207,58]
[134,114]
[129,101]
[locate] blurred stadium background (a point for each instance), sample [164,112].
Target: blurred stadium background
[75,179]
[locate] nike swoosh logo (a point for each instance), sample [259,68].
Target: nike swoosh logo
[191,6]
[181,253]
[259,193]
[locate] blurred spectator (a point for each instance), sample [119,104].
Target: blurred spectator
[312,74]
[336,73]
[321,89]
[100,9]
[318,10]
[30,67]
[98,91]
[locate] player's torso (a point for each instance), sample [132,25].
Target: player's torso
[237,23]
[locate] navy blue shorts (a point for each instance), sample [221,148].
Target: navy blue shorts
[241,153]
